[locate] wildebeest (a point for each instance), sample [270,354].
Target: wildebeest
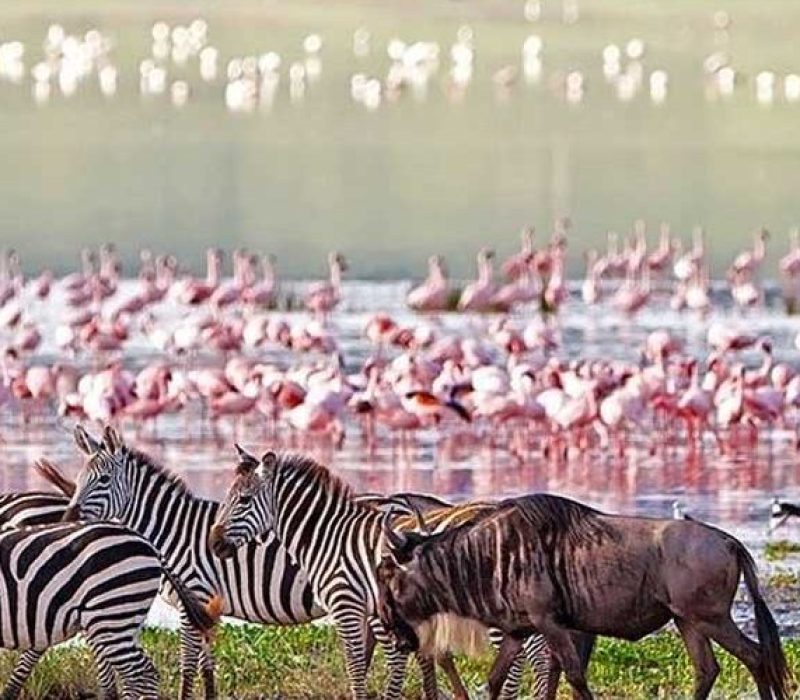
[547,564]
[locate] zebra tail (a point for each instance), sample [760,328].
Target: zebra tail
[50,472]
[202,617]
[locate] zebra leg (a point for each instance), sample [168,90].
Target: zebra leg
[456,684]
[513,680]
[207,670]
[125,655]
[22,671]
[510,689]
[191,644]
[107,680]
[395,660]
[351,628]
[546,669]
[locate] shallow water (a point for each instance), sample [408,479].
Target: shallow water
[425,174]
[733,492]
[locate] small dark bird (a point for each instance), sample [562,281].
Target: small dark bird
[781,512]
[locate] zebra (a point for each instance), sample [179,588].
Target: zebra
[338,542]
[261,584]
[31,508]
[96,578]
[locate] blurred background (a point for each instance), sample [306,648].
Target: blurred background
[391,130]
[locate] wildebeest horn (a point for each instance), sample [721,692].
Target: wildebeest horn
[421,524]
[396,540]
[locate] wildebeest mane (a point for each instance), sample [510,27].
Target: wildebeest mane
[550,514]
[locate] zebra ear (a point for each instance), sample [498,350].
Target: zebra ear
[112,440]
[85,442]
[268,461]
[247,462]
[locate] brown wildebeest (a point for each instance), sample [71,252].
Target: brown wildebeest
[547,564]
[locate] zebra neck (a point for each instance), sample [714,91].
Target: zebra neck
[320,530]
[163,511]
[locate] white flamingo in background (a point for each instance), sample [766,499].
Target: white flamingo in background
[431,295]
[590,289]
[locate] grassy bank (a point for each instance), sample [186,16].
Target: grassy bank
[305,662]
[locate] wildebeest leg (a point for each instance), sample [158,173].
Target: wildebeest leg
[509,650]
[706,668]
[731,639]
[456,684]
[562,645]
[369,642]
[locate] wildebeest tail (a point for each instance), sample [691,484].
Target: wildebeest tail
[201,617]
[51,473]
[773,661]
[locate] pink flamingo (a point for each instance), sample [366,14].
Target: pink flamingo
[748,261]
[519,263]
[789,264]
[262,293]
[660,258]
[194,291]
[431,295]
[323,297]
[477,296]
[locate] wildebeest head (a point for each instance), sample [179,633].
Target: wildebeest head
[245,514]
[399,586]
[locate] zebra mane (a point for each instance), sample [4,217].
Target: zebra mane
[143,460]
[305,466]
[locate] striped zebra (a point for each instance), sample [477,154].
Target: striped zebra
[31,508]
[337,541]
[96,578]
[260,584]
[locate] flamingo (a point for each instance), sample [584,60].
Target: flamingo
[477,296]
[789,264]
[516,265]
[590,290]
[747,262]
[431,295]
[262,293]
[323,297]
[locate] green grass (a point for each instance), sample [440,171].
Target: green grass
[305,662]
[776,551]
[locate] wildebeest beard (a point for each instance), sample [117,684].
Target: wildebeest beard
[488,566]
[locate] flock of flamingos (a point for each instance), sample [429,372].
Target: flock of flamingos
[217,349]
